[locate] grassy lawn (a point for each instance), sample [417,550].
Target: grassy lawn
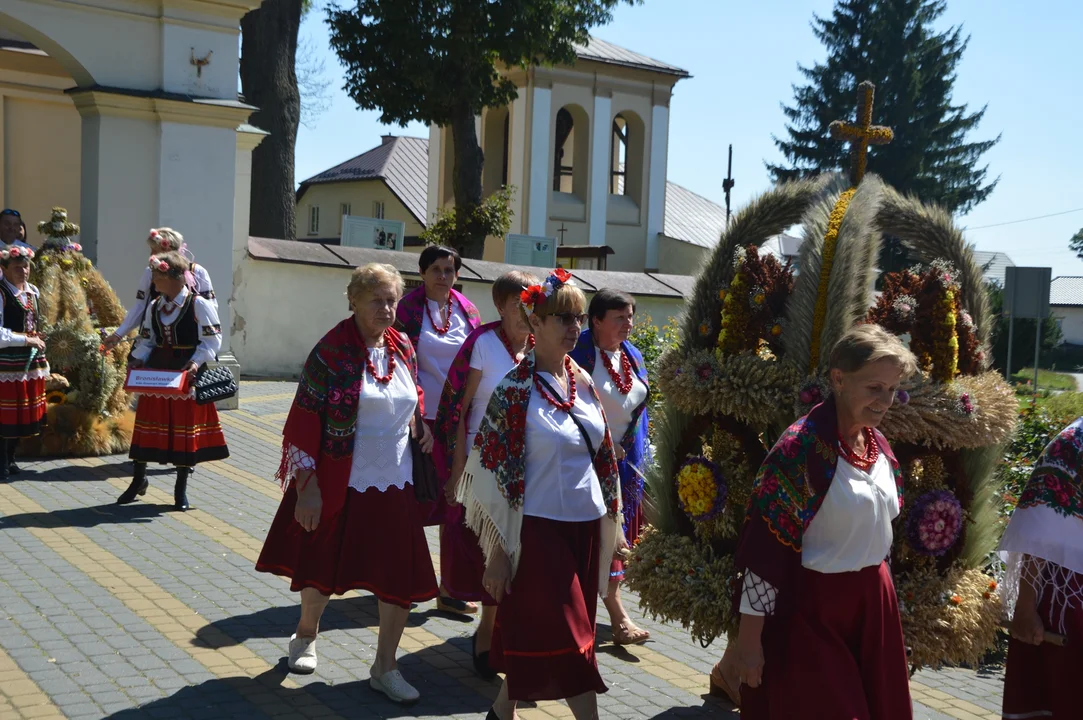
[1046,379]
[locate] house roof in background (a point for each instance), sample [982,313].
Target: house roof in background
[401,162]
[994,265]
[310,253]
[1066,290]
[598,50]
[692,218]
[783,245]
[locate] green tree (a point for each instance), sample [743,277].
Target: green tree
[438,62]
[1076,244]
[894,44]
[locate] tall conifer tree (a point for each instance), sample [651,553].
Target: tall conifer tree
[894,44]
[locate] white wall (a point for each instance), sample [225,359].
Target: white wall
[1071,322]
[272,338]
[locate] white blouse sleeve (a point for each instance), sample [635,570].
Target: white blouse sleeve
[138,311]
[146,340]
[210,332]
[298,460]
[204,288]
[757,595]
[9,338]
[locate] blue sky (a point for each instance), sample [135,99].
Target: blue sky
[1023,62]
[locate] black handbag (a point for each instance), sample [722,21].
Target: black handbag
[426,483]
[214,384]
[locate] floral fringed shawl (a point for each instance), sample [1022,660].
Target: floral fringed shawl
[494,481]
[411,313]
[788,491]
[450,411]
[323,416]
[635,442]
[1043,545]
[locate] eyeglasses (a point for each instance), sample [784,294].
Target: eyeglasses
[9,211]
[569,319]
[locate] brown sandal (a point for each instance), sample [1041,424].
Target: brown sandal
[622,635]
[720,687]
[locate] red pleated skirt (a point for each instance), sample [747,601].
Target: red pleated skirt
[462,564]
[1041,681]
[842,650]
[544,638]
[22,408]
[177,431]
[377,543]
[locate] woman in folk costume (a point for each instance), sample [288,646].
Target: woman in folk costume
[162,240]
[437,319]
[349,519]
[23,367]
[819,615]
[488,355]
[1043,587]
[620,375]
[542,493]
[180,331]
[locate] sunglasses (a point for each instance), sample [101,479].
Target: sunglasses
[9,211]
[569,319]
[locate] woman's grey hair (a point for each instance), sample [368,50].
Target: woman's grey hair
[868,343]
[371,276]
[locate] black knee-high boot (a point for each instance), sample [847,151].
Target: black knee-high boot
[138,487]
[13,469]
[180,490]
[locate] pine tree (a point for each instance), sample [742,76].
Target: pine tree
[892,43]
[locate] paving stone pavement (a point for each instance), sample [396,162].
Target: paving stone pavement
[141,612]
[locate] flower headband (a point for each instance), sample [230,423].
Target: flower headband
[157,238]
[17,252]
[531,296]
[156,263]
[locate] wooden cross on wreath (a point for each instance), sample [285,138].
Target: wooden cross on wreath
[863,134]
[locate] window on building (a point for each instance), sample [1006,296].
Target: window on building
[378,210]
[618,151]
[564,154]
[314,220]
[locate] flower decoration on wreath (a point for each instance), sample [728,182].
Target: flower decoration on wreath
[701,489]
[531,296]
[935,522]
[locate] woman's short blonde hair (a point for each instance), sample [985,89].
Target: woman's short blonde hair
[868,343]
[369,277]
[165,239]
[565,299]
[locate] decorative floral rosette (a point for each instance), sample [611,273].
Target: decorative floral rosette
[156,263]
[701,489]
[531,296]
[935,522]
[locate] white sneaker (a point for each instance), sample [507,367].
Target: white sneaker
[394,685]
[302,654]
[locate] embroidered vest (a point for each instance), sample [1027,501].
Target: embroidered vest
[176,342]
[19,319]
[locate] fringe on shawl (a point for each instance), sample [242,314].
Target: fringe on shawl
[481,523]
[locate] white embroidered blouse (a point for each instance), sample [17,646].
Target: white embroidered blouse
[436,352]
[618,407]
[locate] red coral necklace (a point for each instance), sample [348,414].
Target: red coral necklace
[567,405]
[447,321]
[623,380]
[507,343]
[866,461]
[392,349]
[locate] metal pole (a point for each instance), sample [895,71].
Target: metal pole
[1011,338]
[1037,348]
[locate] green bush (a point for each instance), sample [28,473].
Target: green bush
[1064,408]
[653,342]
[1037,427]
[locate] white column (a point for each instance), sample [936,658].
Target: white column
[599,169]
[436,150]
[540,161]
[656,190]
[517,161]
